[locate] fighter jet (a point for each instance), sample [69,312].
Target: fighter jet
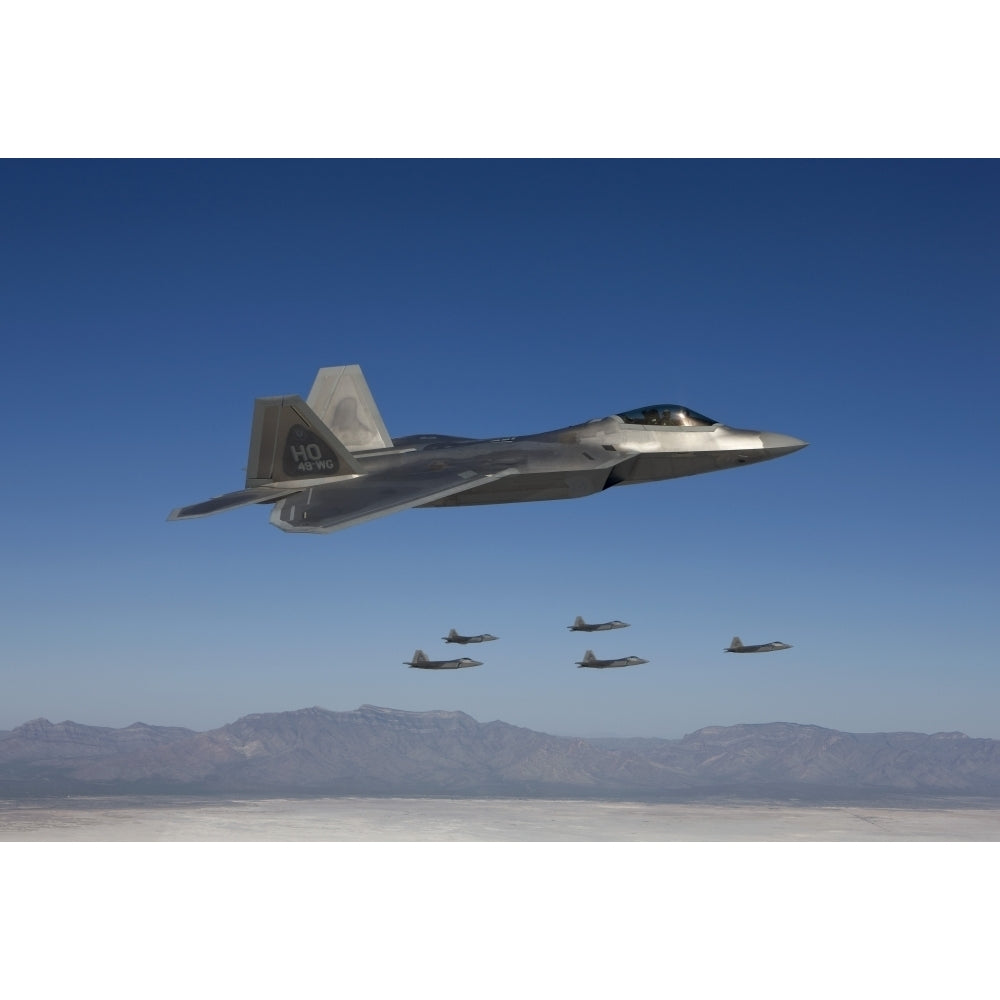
[589,660]
[328,462]
[453,636]
[765,647]
[420,660]
[581,626]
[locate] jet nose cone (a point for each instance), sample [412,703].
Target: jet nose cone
[777,445]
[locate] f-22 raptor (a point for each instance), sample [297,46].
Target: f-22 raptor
[765,647]
[589,660]
[328,462]
[453,636]
[581,626]
[421,662]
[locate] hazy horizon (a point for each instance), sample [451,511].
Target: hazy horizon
[566,735]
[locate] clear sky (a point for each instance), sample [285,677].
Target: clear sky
[850,303]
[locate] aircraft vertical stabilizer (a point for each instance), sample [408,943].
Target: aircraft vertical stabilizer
[341,398]
[290,444]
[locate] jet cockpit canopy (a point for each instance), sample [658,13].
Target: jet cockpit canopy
[667,415]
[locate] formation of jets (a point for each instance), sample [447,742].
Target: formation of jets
[421,661]
[327,462]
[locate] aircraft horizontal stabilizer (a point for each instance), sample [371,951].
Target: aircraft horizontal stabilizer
[229,501]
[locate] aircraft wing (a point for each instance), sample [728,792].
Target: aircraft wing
[323,509]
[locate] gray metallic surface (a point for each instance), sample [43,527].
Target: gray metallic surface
[421,662]
[330,463]
[289,443]
[342,400]
[453,636]
[589,660]
[736,646]
[581,626]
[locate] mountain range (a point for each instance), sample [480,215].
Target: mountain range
[383,751]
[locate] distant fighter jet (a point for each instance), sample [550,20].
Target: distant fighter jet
[766,647]
[589,660]
[453,636]
[420,660]
[581,626]
[328,462]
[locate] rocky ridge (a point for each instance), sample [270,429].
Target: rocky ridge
[380,751]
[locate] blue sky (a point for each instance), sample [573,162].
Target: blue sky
[850,303]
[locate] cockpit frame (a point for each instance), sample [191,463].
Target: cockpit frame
[666,415]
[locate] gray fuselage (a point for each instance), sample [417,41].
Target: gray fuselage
[443,664]
[579,460]
[764,647]
[621,661]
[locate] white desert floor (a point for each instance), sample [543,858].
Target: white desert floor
[516,820]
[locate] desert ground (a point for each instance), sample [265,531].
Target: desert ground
[78,819]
